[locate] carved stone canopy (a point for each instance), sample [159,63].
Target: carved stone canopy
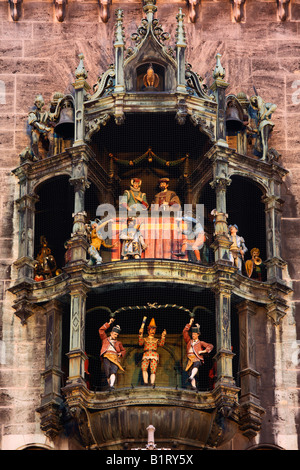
[155,73]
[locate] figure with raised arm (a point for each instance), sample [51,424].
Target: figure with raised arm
[97,241]
[112,351]
[150,357]
[194,350]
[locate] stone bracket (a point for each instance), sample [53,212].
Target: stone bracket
[60,9]
[104,10]
[15,9]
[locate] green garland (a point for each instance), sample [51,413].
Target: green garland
[150,155]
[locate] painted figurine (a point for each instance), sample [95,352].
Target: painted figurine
[193,240]
[194,350]
[264,123]
[238,247]
[45,265]
[133,199]
[255,266]
[150,356]
[166,199]
[97,241]
[40,128]
[133,242]
[112,351]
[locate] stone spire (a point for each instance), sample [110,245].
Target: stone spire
[119,34]
[150,9]
[180,32]
[80,72]
[219,72]
[180,52]
[119,46]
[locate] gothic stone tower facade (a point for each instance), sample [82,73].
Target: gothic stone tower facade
[96,96]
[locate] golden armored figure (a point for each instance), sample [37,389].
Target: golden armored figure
[151,78]
[97,241]
[254,266]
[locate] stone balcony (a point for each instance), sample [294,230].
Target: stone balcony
[183,419]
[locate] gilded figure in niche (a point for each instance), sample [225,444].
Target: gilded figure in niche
[151,79]
[112,351]
[238,248]
[45,264]
[255,266]
[150,357]
[194,350]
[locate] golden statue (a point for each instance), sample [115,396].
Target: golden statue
[254,266]
[151,78]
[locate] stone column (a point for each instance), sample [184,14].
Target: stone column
[52,375]
[77,249]
[78,245]
[77,356]
[26,209]
[251,410]
[224,354]
[274,262]
[81,87]
[119,46]
[218,87]
[219,183]
[180,52]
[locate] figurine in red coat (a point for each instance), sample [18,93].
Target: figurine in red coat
[111,352]
[194,350]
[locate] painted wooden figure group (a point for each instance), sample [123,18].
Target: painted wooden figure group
[112,351]
[133,243]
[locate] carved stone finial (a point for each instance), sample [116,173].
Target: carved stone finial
[119,34]
[80,71]
[15,9]
[60,9]
[219,72]
[150,9]
[180,33]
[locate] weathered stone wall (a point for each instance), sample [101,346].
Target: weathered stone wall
[39,54]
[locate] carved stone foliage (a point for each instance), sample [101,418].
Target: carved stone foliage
[105,84]
[195,85]
[204,126]
[94,125]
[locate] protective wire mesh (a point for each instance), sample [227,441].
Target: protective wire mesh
[129,307]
